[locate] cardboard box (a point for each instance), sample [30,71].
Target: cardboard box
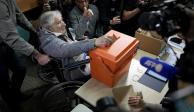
[150,41]
[109,64]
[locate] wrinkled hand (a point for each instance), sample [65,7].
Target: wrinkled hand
[136,101]
[42,59]
[103,41]
[115,20]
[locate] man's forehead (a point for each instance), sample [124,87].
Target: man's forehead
[58,18]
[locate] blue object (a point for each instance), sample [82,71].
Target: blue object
[159,67]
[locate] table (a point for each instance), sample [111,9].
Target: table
[93,90]
[81,108]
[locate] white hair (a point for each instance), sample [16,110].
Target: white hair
[48,18]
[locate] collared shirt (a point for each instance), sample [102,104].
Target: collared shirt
[65,36]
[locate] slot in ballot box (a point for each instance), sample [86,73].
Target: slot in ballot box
[109,64]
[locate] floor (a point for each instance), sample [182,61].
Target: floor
[33,84]
[63,99]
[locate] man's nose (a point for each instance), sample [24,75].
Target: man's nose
[64,24]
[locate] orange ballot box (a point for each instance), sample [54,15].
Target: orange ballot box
[109,64]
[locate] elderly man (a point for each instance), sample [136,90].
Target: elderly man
[65,47]
[64,6]
[84,18]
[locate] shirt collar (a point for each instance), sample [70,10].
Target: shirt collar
[56,33]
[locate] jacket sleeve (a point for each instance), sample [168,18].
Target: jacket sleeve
[62,49]
[79,24]
[9,34]
[21,19]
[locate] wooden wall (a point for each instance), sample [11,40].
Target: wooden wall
[26,5]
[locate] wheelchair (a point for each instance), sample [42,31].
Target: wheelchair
[60,96]
[55,70]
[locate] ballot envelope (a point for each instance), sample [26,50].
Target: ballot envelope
[109,64]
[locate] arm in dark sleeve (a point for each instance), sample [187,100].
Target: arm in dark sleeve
[22,20]
[103,6]
[130,4]
[8,33]
[130,9]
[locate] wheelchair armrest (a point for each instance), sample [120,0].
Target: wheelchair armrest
[75,64]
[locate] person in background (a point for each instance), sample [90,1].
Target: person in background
[132,10]
[109,13]
[64,6]
[53,35]
[185,65]
[10,41]
[129,16]
[84,19]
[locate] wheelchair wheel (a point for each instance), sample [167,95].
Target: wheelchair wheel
[61,97]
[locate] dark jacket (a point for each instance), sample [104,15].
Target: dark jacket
[107,10]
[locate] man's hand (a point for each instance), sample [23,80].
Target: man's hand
[41,58]
[115,20]
[88,12]
[103,41]
[136,102]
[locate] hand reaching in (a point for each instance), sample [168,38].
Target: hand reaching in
[88,12]
[103,41]
[136,101]
[115,20]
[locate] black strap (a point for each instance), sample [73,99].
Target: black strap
[69,34]
[62,38]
